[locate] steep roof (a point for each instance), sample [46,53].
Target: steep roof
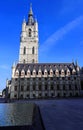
[43,66]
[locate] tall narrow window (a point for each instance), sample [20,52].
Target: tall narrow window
[22,88]
[30,32]
[33,50]
[24,51]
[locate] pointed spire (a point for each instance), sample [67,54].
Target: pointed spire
[24,21]
[30,16]
[31,12]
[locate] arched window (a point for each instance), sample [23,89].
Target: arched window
[64,87]
[33,50]
[58,88]
[22,88]
[30,32]
[24,51]
[70,88]
[46,87]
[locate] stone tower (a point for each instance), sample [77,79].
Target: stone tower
[29,40]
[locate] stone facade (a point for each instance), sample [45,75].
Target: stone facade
[31,79]
[45,80]
[29,40]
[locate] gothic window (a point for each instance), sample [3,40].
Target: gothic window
[22,88]
[34,95]
[70,87]
[21,96]
[25,72]
[27,96]
[52,88]
[46,87]
[52,94]
[58,94]
[57,78]
[15,88]
[62,78]
[33,87]
[33,50]
[39,87]
[76,87]
[74,78]
[64,94]
[64,87]
[15,95]
[16,79]
[27,88]
[40,94]
[30,32]
[70,95]
[24,51]
[58,88]
[46,94]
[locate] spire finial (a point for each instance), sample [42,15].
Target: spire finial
[30,5]
[30,16]
[30,12]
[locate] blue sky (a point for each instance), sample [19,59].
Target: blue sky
[60,31]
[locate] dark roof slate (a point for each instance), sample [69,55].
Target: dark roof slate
[43,66]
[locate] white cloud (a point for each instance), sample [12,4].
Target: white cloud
[59,34]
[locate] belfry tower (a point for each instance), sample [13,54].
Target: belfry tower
[29,40]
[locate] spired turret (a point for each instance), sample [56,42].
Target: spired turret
[23,33]
[77,67]
[23,25]
[36,28]
[13,69]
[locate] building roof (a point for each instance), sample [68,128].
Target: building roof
[43,66]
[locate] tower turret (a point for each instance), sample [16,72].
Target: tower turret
[23,25]
[36,28]
[13,69]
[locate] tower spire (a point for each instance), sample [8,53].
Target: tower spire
[30,12]
[30,16]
